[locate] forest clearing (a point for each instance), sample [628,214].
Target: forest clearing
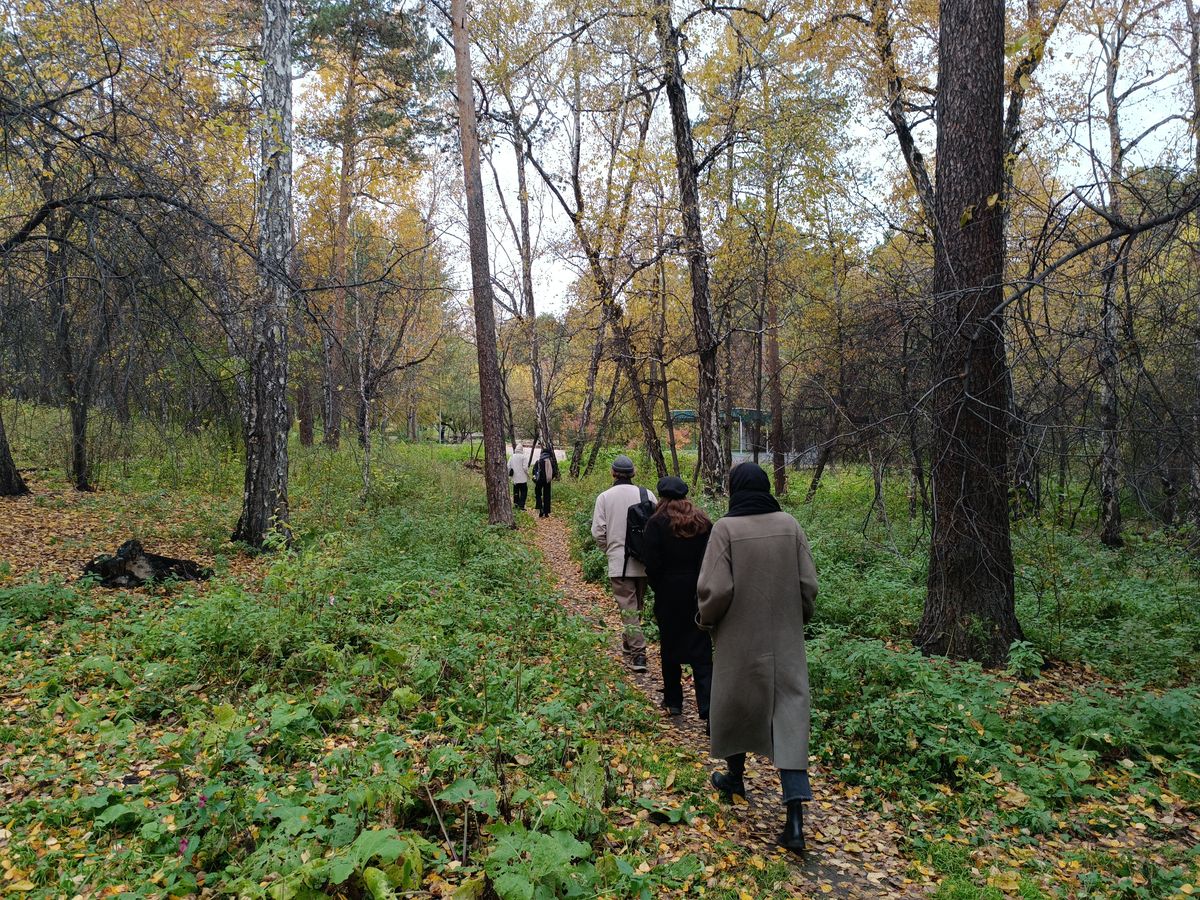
[383,391]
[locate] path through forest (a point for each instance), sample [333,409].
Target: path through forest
[852,851]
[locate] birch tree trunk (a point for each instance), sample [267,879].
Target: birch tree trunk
[707,344]
[1110,324]
[267,417]
[491,405]
[1193,18]
[970,606]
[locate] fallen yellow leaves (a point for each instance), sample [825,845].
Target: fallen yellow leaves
[1005,881]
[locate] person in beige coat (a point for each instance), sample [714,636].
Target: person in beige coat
[756,591]
[626,575]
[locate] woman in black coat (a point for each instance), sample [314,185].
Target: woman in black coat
[545,472]
[674,542]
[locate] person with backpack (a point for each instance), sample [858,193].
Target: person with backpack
[545,471]
[518,471]
[756,591]
[618,525]
[675,539]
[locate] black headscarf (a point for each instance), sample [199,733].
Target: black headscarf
[750,491]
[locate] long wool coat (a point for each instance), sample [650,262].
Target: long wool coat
[756,592]
[672,567]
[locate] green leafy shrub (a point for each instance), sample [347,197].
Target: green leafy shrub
[36,601]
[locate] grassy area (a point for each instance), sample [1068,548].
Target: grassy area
[397,704]
[337,720]
[1081,782]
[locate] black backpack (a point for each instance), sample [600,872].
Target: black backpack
[635,527]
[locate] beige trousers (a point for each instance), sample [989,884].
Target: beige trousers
[630,593]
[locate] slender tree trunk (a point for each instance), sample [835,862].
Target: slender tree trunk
[824,454]
[11,482]
[589,396]
[668,421]
[759,342]
[1193,17]
[303,377]
[304,410]
[605,418]
[970,606]
[707,344]
[491,408]
[541,410]
[771,304]
[727,404]
[917,489]
[364,430]
[1060,506]
[623,345]
[268,419]
[1110,328]
[509,419]
[75,380]
[336,320]
[775,390]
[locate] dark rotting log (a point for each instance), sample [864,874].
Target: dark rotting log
[132,566]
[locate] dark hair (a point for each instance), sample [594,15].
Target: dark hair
[685,518]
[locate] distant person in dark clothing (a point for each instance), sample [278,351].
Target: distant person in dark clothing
[545,471]
[674,542]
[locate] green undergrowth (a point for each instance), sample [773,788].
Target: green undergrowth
[1132,614]
[398,704]
[972,762]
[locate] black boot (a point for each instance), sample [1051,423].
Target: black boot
[792,836]
[729,786]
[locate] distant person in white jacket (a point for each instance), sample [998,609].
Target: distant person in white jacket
[627,575]
[518,471]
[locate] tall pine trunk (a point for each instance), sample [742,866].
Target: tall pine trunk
[970,607]
[491,406]
[268,419]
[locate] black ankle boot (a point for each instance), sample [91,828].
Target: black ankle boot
[792,836]
[729,786]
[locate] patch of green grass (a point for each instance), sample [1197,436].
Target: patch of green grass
[402,674]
